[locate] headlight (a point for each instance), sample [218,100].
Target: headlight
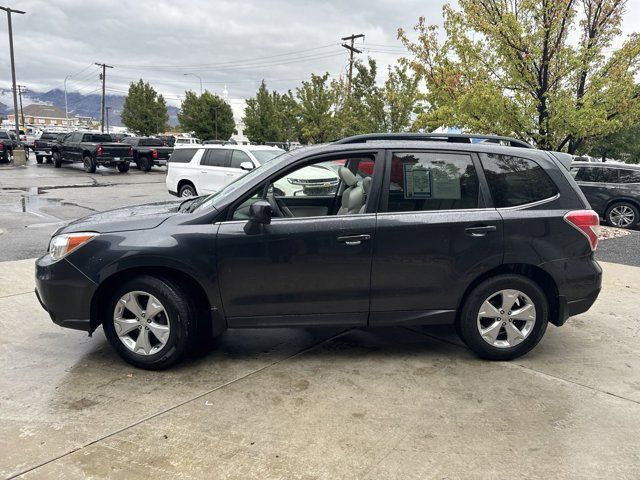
[61,245]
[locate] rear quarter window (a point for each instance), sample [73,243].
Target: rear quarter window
[182,155]
[629,176]
[515,181]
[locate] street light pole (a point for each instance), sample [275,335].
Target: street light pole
[13,66]
[198,77]
[66,105]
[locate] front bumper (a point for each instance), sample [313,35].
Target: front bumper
[64,292]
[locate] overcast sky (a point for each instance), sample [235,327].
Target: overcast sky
[236,42]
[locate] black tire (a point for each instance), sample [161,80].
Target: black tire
[89,164]
[181,318]
[467,323]
[632,216]
[187,190]
[145,164]
[49,160]
[57,161]
[39,159]
[123,167]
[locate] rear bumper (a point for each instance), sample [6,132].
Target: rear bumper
[579,281]
[109,160]
[64,292]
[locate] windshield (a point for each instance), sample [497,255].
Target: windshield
[240,182]
[265,156]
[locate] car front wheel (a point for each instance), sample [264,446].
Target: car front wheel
[504,317]
[57,161]
[622,215]
[150,321]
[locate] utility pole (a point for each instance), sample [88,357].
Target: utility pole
[13,65]
[20,87]
[107,109]
[66,105]
[352,50]
[103,76]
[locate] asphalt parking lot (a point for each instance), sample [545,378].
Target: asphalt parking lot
[301,403]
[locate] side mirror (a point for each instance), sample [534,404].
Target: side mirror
[261,212]
[246,166]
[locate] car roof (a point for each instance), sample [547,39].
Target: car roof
[235,146]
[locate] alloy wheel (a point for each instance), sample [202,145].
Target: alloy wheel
[141,322]
[622,216]
[506,318]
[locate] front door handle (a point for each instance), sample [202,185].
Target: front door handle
[354,239]
[480,231]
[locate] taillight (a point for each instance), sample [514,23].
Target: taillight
[587,222]
[1,145]
[131,150]
[154,153]
[99,150]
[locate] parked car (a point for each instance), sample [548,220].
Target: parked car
[208,168]
[168,140]
[148,151]
[42,146]
[186,142]
[496,240]
[93,150]
[8,142]
[613,190]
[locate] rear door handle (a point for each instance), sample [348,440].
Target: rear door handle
[354,239]
[480,231]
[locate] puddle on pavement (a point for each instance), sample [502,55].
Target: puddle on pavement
[32,202]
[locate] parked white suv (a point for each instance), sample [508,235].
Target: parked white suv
[186,142]
[205,169]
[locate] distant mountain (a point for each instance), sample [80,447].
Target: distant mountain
[79,104]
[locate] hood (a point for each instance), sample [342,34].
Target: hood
[139,217]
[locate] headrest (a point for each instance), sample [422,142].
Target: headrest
[366,185]
[347,176]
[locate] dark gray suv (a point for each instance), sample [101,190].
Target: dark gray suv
[421,230]
[612,189]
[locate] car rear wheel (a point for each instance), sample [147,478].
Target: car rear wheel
[187,190]
[622,215]
[151,322]
[145,164]
[49,159]
[39,159]
[57,161]
[89,164]
[123,167]
[504,317]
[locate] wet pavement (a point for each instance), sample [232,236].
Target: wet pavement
[323,403]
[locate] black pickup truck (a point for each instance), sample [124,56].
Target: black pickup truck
[92,149]
[148,152]
[42,146]
[8,142]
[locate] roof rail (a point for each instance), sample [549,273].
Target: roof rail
[435,137]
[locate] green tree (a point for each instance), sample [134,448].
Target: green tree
[316,101]
[401,99]
[621,145]
[207,115]
[144,111]
[271,116]
[510,68]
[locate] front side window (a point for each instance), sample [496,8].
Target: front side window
[629,176]
[424,181]
[515,181]
[318,179]
[238,157]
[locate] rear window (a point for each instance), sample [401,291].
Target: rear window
[96,137]
[182,155]
[515,181]
[151,142]
[48,136]
[4,135]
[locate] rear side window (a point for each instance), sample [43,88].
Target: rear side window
[516,181]
[215,157]
[629,176]
[597,175]
[182,155]
[424,181]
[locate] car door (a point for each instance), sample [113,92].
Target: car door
[297,270]
[70,147]
[213,174]
[435,234]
